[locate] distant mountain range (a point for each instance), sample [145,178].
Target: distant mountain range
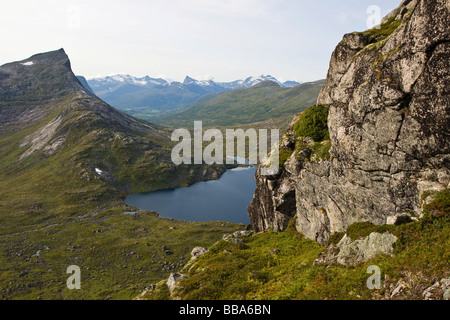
[147,97]
[109,83]
[263,101]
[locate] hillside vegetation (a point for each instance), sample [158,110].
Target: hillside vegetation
[281,265]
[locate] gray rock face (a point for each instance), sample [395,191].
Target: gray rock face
[389,127]
[348,252]
[173,279]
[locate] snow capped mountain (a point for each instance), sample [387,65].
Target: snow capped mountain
[144,81]
[202,83]
[111,82]
[251,81]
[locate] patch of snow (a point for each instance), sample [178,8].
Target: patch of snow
[37,254]
[160,82]
[29,63]
[139,82]
[118,77]
[99,172]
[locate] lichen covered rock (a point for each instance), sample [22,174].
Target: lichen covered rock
[348,252]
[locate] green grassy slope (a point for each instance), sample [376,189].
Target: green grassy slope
[119,255]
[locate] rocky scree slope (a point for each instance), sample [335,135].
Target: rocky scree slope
[387,92]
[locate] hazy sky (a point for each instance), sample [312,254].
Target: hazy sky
[220,39]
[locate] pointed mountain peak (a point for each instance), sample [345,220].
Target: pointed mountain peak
[42,76]
[189,80]
[57,57]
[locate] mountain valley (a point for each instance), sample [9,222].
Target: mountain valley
[358,210]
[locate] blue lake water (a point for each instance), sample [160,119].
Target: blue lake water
[225,199]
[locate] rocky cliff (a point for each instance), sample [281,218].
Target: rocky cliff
[387,92]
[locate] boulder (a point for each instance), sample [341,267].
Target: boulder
[173,279]
[242,234]
[198,251]
[348,252]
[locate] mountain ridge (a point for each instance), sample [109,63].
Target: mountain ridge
[149,81]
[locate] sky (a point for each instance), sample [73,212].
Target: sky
[223,40]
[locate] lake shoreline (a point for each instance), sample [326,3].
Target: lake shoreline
[224,199]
